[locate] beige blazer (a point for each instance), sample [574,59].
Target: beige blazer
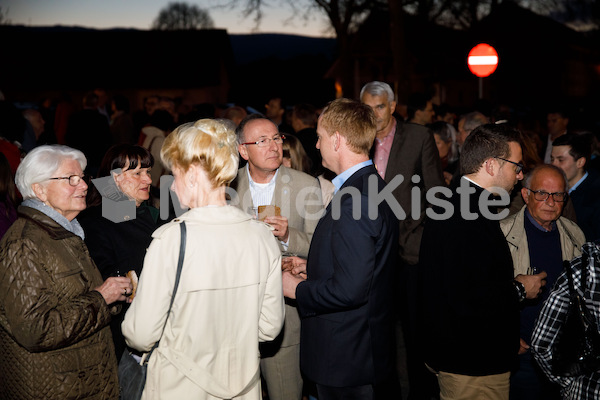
[513,227]
[299,197]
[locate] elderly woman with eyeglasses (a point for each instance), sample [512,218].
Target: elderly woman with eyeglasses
[230,293]
[118,238]
[55,309]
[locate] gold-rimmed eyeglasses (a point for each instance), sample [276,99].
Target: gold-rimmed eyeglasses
[74,180]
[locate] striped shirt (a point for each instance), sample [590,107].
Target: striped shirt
[553,315]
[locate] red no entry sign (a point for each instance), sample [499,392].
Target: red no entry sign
[483,60]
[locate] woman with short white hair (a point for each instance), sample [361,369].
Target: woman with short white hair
[55,309]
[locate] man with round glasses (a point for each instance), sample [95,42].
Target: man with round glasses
[265,181]
[539,239]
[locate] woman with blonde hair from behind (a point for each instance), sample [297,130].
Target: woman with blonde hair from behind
[230,294]
[295,157]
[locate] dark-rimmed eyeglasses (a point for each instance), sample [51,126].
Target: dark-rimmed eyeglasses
[73,179]
[541,195]
[519,165]
[266,141]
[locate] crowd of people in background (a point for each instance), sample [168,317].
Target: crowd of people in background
[411,308]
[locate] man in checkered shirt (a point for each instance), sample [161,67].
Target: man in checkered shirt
[553,315]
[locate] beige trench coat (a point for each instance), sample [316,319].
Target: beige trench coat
[229,298]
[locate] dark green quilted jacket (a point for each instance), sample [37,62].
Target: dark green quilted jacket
[55,342]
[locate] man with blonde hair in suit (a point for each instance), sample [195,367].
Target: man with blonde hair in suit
[345,288]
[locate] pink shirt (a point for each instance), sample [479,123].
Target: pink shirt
[382,150]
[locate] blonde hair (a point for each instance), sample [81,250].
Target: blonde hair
[353,120]
[293,149]
[208,143]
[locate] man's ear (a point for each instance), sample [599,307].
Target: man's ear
[243,151]
[337,140]
[525,195]
[580,163]
[489,166]
[40,191]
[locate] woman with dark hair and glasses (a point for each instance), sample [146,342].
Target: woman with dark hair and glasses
[55,307]
[120,219]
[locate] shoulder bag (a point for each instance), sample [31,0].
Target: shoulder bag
[132,374]
[576,350]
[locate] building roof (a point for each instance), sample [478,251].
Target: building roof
[51,57]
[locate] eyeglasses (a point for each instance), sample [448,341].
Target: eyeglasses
[73,179]
[541,195]
[266,141]
[519,165]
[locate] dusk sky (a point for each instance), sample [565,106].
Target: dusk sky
[140,14]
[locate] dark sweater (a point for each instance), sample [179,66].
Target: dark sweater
[470,306]
[118,247]
[545,254]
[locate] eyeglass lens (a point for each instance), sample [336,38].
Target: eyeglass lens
[540,195]
[267,142]
[74,180]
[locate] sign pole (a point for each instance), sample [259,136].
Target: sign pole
[480,88]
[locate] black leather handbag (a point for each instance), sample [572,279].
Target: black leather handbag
[132,374]
[576,350]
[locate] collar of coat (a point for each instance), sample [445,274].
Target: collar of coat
[54,229]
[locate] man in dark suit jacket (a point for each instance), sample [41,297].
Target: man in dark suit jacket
[471,299]
[406,151]
[347,336]
[572,153]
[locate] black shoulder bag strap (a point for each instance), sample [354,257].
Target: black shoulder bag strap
[177,277]
[573,295]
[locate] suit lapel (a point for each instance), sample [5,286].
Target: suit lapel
[282,193]
[397,144]
[276,199]
[243,190]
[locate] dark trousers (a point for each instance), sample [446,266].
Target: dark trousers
[365,392]
[528,382]
[423,384]
[387,389]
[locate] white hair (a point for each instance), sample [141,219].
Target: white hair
[377,88]
[41,163]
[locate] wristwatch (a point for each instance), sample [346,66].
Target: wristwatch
[520,288]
